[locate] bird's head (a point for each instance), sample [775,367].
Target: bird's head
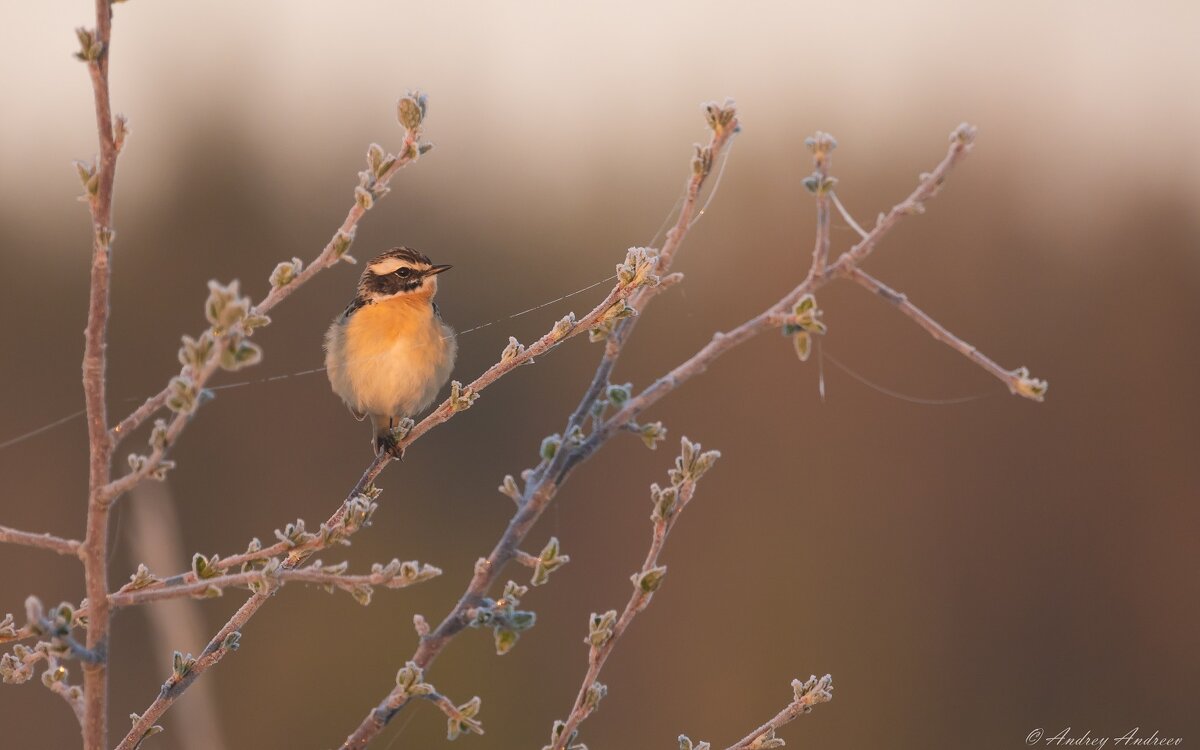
[399,272]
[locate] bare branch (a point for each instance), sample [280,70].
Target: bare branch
[807,694]
[44,541]
[961,142]
[724,125]
[1018,381]
[821,185]
[385,576]
[605,632]
[94,551]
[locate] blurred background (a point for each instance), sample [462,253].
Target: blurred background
[967,572]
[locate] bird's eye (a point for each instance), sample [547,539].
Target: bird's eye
[404,273]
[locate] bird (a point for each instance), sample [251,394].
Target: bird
[389,353]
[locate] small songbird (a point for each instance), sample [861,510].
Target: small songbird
[389,353]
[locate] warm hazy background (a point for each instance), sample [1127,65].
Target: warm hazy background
[968,573]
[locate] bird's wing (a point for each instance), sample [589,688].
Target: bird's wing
[354,306]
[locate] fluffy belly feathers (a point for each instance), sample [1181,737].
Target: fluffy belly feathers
[390,358]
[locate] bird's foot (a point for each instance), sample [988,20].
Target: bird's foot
[388,443]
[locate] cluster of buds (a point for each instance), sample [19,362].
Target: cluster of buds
[548,560]
[722,118]
[556,733]
[803,325]
[502,616]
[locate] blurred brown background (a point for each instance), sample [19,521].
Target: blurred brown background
[968,573]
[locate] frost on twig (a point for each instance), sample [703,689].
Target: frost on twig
[604,630]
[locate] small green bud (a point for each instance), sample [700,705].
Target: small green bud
[182,665]
[513,350]
[142,578]
[1029,387]
[649,580]
[638,268]
[461,397]
[652,433]
[664,501]
[239,353]
[721,117]
[819,184]
[964,134]
[702,162]
[550,446]
[463,719]
[286,273]
[510,489]
[410,111]
[595,693]
[340,244]
[182,395]
[821,144]
[505,640]
[204,567]
[619,394]
[564,326]
[363,198]
[600,628]
[548,561]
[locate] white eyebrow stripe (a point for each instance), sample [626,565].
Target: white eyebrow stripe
[387,265]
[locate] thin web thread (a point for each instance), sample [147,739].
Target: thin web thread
[901,396]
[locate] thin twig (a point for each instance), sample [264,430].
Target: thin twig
[961,142]
[718,143]
[807,694]
[820,183]
[311,575]
[44,541]
[1018,381]
[589,690]
[155,538]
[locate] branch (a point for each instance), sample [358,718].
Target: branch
[723,123]
[808,694]
[607,629]
[821,184]
[395,575]
[1018,381]
[539,490]
[961,142]
[98,184]
[44,541]
[544,482]
[286,279]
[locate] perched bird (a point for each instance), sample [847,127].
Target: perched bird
[389,353]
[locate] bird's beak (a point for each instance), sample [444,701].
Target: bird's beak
[435,270]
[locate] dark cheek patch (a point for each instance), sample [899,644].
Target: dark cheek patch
[391,284]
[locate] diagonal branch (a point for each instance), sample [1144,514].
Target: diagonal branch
[605,632]
[1018,381]
[724,125]
[809,693]
[333,252]
[44,541]
[462,396]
